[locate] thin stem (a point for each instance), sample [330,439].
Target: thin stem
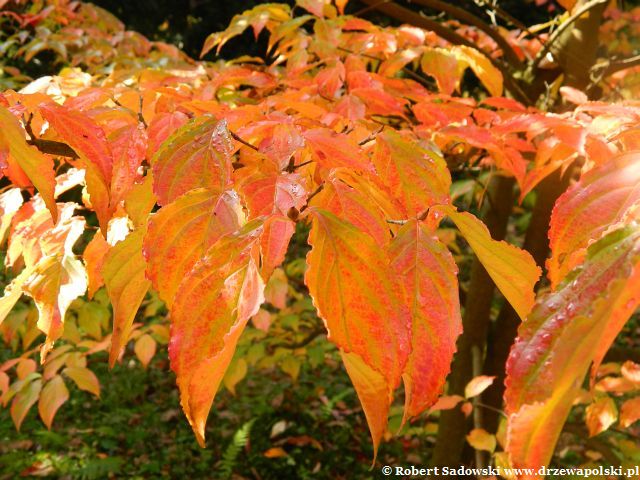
[242,141]
[549,45]
[470,19]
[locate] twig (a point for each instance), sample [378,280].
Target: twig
[313,194]
[549,44]
[409,16]
[507,17]
[370,137]
[315,333]
[470,19]
[609,68]
[242,141]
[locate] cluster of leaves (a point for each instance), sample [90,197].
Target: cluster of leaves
[73,34]
[191,181]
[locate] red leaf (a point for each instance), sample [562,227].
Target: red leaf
[588,209]
[429,273]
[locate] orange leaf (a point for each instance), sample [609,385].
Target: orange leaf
[129,147]
[56,281]
[333,150]
[374,392]
[215,301]
[84,378]
[53,395]
[124,276]
[140,200]
[361,301]
[513,270]
[442,65]
[481,65]
[630,412]
[446,402]
[197,155]
[275,452]
[180,232]
[631,371]
[272,192]
[274,242]
[417,177]
[428,272]
[38,167]
[93,257]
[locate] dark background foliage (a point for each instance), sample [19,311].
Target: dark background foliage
[187,23]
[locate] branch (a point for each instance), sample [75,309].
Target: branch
[609,68]
[315,333]
[549,44]
[409,16]
[471,19]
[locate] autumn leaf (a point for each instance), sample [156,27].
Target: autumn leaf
[480,439]
[52,397]
[197,155]
[513,270]
[600,415]
[24,400]
[428,273]
[38,167]
[145,349]
[124,276]
[477,385]
[417,176]
[217,298]
[630,412]
[84,379]
[602,199]
[567,330]
[180,232]
[129,146]
[88,140]
[361,303]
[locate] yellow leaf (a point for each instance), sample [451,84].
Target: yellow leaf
[84,378]
[513,270]
[145,349]
[234,375]
[480,439]
[124,276]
